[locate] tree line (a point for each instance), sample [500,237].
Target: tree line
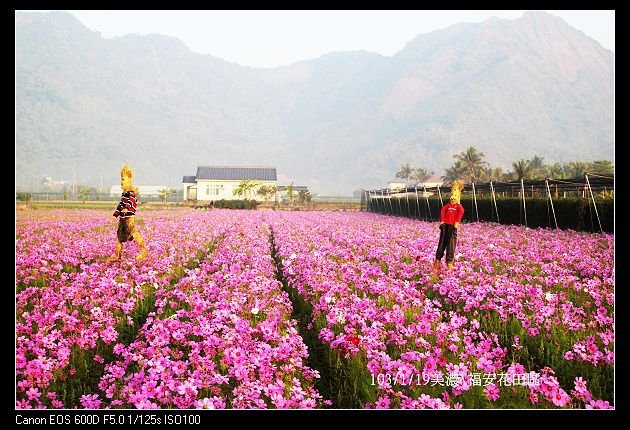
[470,166]
[248,187]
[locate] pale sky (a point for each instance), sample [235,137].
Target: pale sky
[279,38]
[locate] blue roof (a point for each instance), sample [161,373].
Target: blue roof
[189,180]
[227,173]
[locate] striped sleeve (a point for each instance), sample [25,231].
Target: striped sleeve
[129,202]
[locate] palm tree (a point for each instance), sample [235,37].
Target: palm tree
[554,171]
[420,175]
[576,169]
[405,171]
[537,167]
[245,188]
[291,192]
[522,169]
[602,167]
[456,171]
[472,163]
[495,174]
[164,192]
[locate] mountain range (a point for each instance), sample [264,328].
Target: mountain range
[85,104]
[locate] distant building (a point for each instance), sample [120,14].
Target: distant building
[400,184]
[282,196]
[143,190]
[433,181]
[219,182]
[418,187]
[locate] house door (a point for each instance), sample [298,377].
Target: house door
[192,193]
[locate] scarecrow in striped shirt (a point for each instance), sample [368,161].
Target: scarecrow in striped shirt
[125,212]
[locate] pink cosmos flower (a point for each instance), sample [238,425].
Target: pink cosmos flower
[492,392]
[33,393]
[598,404]
[580,385]
[561,398]
[382,403]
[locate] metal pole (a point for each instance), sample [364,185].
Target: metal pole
[407,197]
[475,200]
[440,194]
[427,198]
[417,202]
[382,202]
[593,198]
[389,197]
[375,203]
[495,202]
[551,200]
[524,207]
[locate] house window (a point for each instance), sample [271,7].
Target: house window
[213,190]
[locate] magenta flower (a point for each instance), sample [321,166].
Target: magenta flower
[492,392]
[598,404]
[580,385]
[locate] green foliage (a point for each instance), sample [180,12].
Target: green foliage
[304,196]
[291,192]
[84,193]
[164,193]
[267,191]
[245,188]
[23,197]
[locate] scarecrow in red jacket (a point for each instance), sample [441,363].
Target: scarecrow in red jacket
[125,212]
[450,217]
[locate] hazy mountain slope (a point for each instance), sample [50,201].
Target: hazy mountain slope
[345,120]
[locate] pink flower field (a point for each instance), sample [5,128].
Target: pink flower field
[276,309]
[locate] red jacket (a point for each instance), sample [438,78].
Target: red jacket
[451,213]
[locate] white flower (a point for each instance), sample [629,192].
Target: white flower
[255,311]
[205,403]
[294,255]
[491,246]
[341,319]
[328,299]
[458,255]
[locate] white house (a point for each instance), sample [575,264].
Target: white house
[433,181]
[400,184]
[219,182]
[397,185]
